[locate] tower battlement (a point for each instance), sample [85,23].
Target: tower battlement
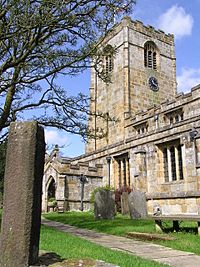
[140,27]
[142,74]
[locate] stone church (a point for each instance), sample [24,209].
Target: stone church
[153,145]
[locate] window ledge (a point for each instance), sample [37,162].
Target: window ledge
[174,182]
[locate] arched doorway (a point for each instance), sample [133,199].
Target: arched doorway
[51,195]
[51,190]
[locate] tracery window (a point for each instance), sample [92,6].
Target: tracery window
[150,55]
[165,159]
[123,170]
[141,128]
[173,162]
[175,116]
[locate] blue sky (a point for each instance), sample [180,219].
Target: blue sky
[178,17]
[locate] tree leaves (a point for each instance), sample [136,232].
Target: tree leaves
[40,39]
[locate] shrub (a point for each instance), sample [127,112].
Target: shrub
[52,200]
[106,187]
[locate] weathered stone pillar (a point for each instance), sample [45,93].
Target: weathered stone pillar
[20,228]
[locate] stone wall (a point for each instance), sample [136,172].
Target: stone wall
[145,153]
[179,205]
[73,192]
[66,176]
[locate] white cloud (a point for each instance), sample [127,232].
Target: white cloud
[175,20]
[53,137]
[187,79]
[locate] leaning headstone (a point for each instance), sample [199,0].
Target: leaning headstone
[137,205]
[124,203]
[20,230]
[104,205]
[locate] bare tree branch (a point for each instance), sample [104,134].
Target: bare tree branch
[40,39]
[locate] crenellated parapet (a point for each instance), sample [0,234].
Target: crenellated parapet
[170,112]
[140,27]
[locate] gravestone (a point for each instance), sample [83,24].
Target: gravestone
[124,203]
[20,229]
[137,205]
[104,205]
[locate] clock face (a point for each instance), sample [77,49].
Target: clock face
[153,84]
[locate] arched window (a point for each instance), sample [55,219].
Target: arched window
[108,59]
[150,55]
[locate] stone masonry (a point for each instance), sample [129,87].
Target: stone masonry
[154,145]
[127,93]
[66,176]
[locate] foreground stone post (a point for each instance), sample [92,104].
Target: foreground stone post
[20,230]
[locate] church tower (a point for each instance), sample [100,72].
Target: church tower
[142,72]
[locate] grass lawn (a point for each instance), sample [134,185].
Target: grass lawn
[71,247]
[186,240]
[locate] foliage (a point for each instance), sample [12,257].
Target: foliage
[52,201]
[186,240]
[38,41]
[106,187]
[118,194]
[71,247]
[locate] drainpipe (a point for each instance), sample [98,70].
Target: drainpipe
[108,158]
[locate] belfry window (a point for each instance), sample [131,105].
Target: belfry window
[108,59]
[154,61]
[108,64]
[150,55]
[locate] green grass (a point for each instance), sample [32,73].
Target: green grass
[71,247]
[119,226]
[186,240]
